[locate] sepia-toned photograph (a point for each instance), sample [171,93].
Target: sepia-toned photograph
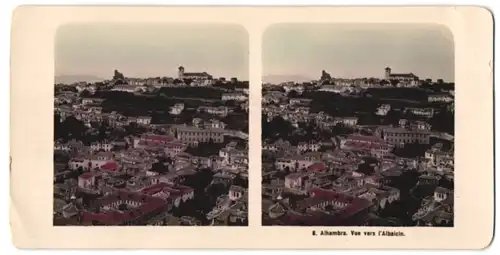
[358,125]
[151,125]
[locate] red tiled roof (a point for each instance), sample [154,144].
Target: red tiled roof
[174,143]
[86,175]
[158,138]
[110,166]
[154,188]
[331,195]
[364,138]
[355,205]
[316,167]
[149,204]
[366,146]
[184,189]
[294,175]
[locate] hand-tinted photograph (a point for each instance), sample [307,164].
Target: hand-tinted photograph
[151,125]
[358,125]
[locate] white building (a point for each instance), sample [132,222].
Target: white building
[104,145]
[346,121]
[403,78]
[233,96]
[383,109]
[333,88]
[87,101]
[444,97]
[128,88]
[144,120]
[177,109]
[86,180]
[236,192]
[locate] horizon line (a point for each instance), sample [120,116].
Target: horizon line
[149,77]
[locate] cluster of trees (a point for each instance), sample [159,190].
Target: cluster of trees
[404,209]
[443,121]
[411,150]
[236,121]
[160,167]
[240,181]
[273,88]
[70,128]
[61,88]
[338,105]
[129,104]
[369,118]
[191,92]
[366,168]
[439,86]
[231,85]
[276,128]
[414,94]
[205,149]
[158,108]
[205,196]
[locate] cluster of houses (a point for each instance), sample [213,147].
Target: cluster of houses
[354,179]
[338,171]
[138,179]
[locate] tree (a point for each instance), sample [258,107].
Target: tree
[411,150]
[292,94]
[236,121]
[341,129]
[134,129]
[384,82]
[443,121]
[366,168]
[70,128]
[159,168]
[205,149]
[85,93]
[392,117]
[277,128]
[103,130]
[394,83]
[239,181]
[80,170]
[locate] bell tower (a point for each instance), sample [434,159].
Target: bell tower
[181,72]
[387,72]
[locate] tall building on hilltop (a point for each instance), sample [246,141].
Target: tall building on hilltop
[403,78]
[193,76]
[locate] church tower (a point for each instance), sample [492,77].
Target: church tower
[387,72]
[181,72]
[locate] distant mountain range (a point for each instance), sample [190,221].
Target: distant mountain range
[275,79]
[69,79]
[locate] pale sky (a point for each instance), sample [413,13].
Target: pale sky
[151,50]
[358,50]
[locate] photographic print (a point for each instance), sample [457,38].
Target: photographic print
[358,125]
[151,125]
[307,128]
